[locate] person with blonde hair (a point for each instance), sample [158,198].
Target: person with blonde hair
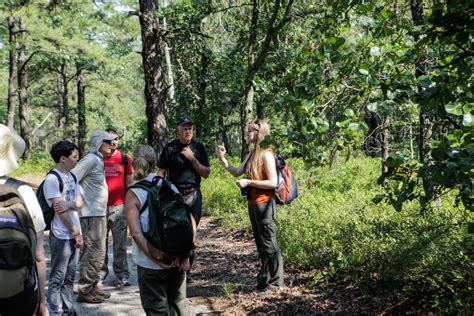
[162,283]
[259,185]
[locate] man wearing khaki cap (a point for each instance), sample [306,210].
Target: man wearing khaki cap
[91,178]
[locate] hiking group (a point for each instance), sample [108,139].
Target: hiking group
[157,198]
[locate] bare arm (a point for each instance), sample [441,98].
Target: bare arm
[61,208]
[132,215]
[41,266]
[129,180]
[270,168]
[235,171]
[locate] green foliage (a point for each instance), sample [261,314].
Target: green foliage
[446,96]
[38,164]
[335,228]
[227,290]
[222,197]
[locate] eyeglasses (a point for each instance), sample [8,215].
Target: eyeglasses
[108,141]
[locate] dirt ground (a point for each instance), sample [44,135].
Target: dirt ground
[224,283]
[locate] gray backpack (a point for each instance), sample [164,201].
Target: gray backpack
[17,243]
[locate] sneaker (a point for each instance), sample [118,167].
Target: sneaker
[100,292]
[269,290]
[90,298]
[123,282]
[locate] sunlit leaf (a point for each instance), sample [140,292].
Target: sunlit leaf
[323,126]
[372,106]
[364,69]
[467,120]
[454,108]
[354,126]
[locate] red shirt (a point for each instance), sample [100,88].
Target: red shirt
[114,170]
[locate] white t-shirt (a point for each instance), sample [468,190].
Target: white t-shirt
[70,192]
[32,205]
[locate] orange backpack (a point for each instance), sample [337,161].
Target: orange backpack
[287,188]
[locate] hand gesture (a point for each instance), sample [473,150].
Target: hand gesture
[188,153]
[242,183]
[221,151]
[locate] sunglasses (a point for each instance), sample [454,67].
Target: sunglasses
[108,141]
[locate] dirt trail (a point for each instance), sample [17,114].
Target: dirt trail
[224,281]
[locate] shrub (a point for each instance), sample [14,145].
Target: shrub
[335,228]
[38,164]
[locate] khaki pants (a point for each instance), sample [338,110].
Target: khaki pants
[117,224]
[92,253]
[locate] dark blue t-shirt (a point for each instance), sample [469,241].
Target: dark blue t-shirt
[180,170]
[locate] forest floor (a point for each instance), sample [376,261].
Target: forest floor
[224,283]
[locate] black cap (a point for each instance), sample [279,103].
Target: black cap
[184,120]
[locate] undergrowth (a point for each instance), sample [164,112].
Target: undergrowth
[336,229]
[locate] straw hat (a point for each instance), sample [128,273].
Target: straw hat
[12,147]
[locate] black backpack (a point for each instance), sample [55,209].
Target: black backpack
[48,211]
[171,227]
[17,243]
[125,165]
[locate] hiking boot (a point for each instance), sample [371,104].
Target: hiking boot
[100,292]
[90,298]
[269,290]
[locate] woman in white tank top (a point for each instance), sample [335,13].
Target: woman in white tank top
[162,284]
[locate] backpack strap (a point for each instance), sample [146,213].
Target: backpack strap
[60,180]
[125,167]
[146,185]
[74,177]
[14,182]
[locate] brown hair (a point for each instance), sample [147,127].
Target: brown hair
[253,168]
[144,161]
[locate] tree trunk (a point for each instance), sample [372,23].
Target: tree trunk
[225,139]
[373,140]
[246,107]
[202,86]
[169,67]
[81,110]
[152,55]
[426,126]
[63,103]
[385,125]
[256,58]
[23,95]
[12,72]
